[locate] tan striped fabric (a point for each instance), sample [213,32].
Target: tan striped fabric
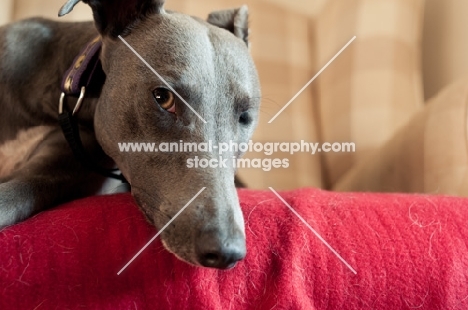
[445,44]
[428,155]
[282,50]
[375,86]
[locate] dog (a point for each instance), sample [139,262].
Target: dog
[207,63]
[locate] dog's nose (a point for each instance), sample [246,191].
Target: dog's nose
[214,253]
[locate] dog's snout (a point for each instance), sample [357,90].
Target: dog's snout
[215,253]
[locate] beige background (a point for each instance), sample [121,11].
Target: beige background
[445,39]
[445,44]
[24,8]
[282,45]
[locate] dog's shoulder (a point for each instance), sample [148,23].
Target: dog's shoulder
[32,28]
[20,41]
[26,44]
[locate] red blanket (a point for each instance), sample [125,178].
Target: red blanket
[410,252]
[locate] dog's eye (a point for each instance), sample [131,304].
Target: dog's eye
[245,118]
[165,98]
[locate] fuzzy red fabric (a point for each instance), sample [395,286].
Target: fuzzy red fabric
[409,251]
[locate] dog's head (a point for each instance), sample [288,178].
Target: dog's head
[208,64]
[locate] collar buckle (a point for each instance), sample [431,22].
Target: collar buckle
[78,105]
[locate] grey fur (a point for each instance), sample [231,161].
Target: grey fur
[209,66]
[37,36]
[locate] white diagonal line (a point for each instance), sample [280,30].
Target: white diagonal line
[307,85]
[161,78]
[316,233]
[159,232]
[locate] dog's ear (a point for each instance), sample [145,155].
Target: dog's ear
[67,7]
[113,17]
[234,20]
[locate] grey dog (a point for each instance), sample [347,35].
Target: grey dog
[206,62]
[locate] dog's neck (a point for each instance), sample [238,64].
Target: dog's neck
[72,41]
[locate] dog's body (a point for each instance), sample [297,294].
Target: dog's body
[32,147]
[207,65]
